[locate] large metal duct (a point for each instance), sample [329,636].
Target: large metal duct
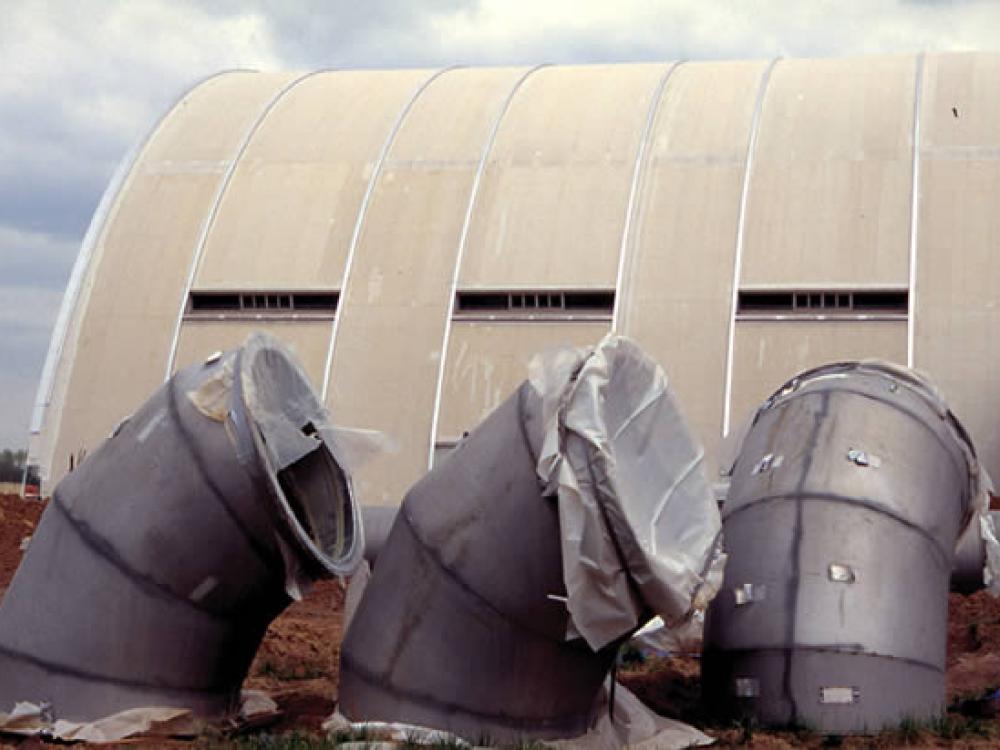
[847,499]
[160,561]
[466,623]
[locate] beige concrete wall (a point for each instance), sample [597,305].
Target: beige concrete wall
[488,360]
[557,181]
[958,254]
[828,205]
[769,352]
[306,338]
[678,285]
[142,259]
[288,214]
[395,306]
[829,196]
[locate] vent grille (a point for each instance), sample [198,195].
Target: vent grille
[535,304]
[833,303]
[262,304]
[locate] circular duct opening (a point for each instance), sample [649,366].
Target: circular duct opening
[312,491]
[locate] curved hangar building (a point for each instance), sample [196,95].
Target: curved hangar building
[417,235]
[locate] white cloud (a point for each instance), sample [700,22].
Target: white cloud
[595,30]
[82,80]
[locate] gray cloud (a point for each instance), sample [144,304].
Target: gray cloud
[82,81]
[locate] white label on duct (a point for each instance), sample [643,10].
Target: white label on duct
[839,695]
[204,588]
[842,573]
[863,458]
[746,687]
[151,425]
[749,592]
[768,462]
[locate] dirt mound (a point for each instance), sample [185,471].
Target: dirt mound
[298,662]
[973,645]
[299,659]
[18,519]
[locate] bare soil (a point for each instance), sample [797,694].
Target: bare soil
[297,665]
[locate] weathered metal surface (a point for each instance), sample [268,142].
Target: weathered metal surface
[161,560]
[471,575]
[848,537]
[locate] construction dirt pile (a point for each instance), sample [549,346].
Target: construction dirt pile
[297,666]
[18,519]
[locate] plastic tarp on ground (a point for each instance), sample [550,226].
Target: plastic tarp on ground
[149,723]
[640,524]
[633,726]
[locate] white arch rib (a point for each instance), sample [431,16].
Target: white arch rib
[360,221]
[463,242]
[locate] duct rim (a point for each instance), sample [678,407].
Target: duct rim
[914,383]
[301,478]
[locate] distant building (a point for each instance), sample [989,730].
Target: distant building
[417,235]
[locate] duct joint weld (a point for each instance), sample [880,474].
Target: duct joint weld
[106,551]
[863,502]
[838,649]
[82,674]
[270,559]
[361,672]
[431,552]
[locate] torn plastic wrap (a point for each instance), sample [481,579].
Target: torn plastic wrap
[977,553]
[640,527]
[464,626]
[149,723]
[633,726]
[656,639]
[160,561]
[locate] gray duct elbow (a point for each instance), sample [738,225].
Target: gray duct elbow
[469,622]
[845,505]
[462,625]
[160,561]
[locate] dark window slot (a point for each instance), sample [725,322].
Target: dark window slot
[201,302]
[316,302]
[823,302]
[886,302]
[765,301]
[544,303]
[477,302]
[603,302]
[258,302]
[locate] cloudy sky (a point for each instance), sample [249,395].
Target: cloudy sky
[82,80]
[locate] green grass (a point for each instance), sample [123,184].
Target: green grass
[307,741]
[307,671]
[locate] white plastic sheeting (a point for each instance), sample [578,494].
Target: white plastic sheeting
[152,722]
[633,726]
[640,525]
[985,523]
